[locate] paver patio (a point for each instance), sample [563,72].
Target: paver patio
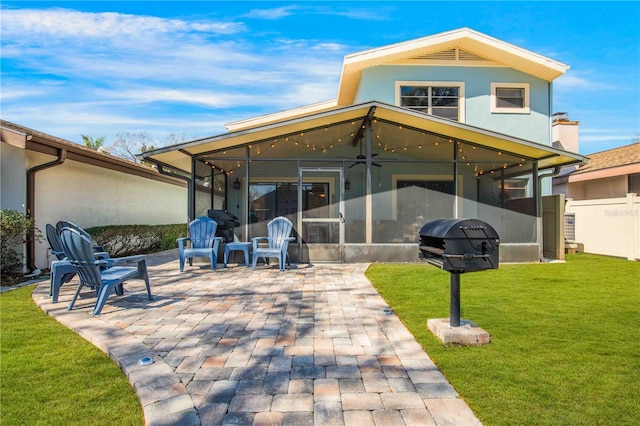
[314,345]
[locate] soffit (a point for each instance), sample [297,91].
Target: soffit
[179,156]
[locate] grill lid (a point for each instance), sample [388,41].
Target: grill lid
[458,228]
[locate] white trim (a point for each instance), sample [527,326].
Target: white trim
[454,37]
[279,116]
[525,110]
[458,84]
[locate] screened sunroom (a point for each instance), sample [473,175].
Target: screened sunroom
[358,182]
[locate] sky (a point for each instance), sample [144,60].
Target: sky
[182,70]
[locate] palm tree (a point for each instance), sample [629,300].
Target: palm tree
[92,143]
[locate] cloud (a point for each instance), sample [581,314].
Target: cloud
[272,14]
[65,23]
[379,13]
[68,73]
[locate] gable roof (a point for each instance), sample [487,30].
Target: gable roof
[463,45]
[472,42]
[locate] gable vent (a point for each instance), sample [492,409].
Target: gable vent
[445,55]
[452,55]
[466,56]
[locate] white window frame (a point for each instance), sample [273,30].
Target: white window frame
[458,84]
[494,98]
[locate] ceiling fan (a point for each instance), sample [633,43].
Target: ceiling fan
[362,159]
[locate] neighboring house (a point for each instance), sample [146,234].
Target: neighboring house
[456,124]
[608,174]
[603,207]
[51,179]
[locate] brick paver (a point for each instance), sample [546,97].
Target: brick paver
[315,344]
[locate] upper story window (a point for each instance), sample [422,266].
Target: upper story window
[442,99]
[510,98]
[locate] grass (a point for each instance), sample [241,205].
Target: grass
[52,376]
[565,337]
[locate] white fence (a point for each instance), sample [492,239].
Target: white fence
[609,226]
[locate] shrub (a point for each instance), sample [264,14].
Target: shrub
[15,228]
[127,240]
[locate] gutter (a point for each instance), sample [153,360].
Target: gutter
[31,202]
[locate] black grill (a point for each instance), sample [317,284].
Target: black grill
[458,246]
[226,223]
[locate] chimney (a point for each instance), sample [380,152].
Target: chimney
[565,133]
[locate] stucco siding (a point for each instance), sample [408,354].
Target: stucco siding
[96,197]
[378,83]
[612,187]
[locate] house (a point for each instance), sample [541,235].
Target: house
[609,174]
[457,124]
[603,206]
[51,179]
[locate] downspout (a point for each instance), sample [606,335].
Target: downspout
[539,230]
[31,203]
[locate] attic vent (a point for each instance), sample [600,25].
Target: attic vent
[451,55]
[466,56]
[445,55]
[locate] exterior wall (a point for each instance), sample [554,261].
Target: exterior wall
[608,226]
[378,83]
[13,178]
[612,187]
[90,196]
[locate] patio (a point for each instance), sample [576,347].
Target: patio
[313,345]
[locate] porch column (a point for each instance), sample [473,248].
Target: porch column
[537,196]
[368,200]
[456,171]
[192,190]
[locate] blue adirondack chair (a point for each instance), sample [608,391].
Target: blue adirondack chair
[61,270]
[203,242]
[66,224]
[80,254]
[279,235]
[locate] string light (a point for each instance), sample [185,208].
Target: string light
[462,147]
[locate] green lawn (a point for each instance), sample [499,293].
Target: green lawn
[51,376]
[565,337]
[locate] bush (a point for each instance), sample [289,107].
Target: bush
[15,228]
[127,240]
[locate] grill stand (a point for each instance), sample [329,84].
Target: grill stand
[454,300]
[453,331]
